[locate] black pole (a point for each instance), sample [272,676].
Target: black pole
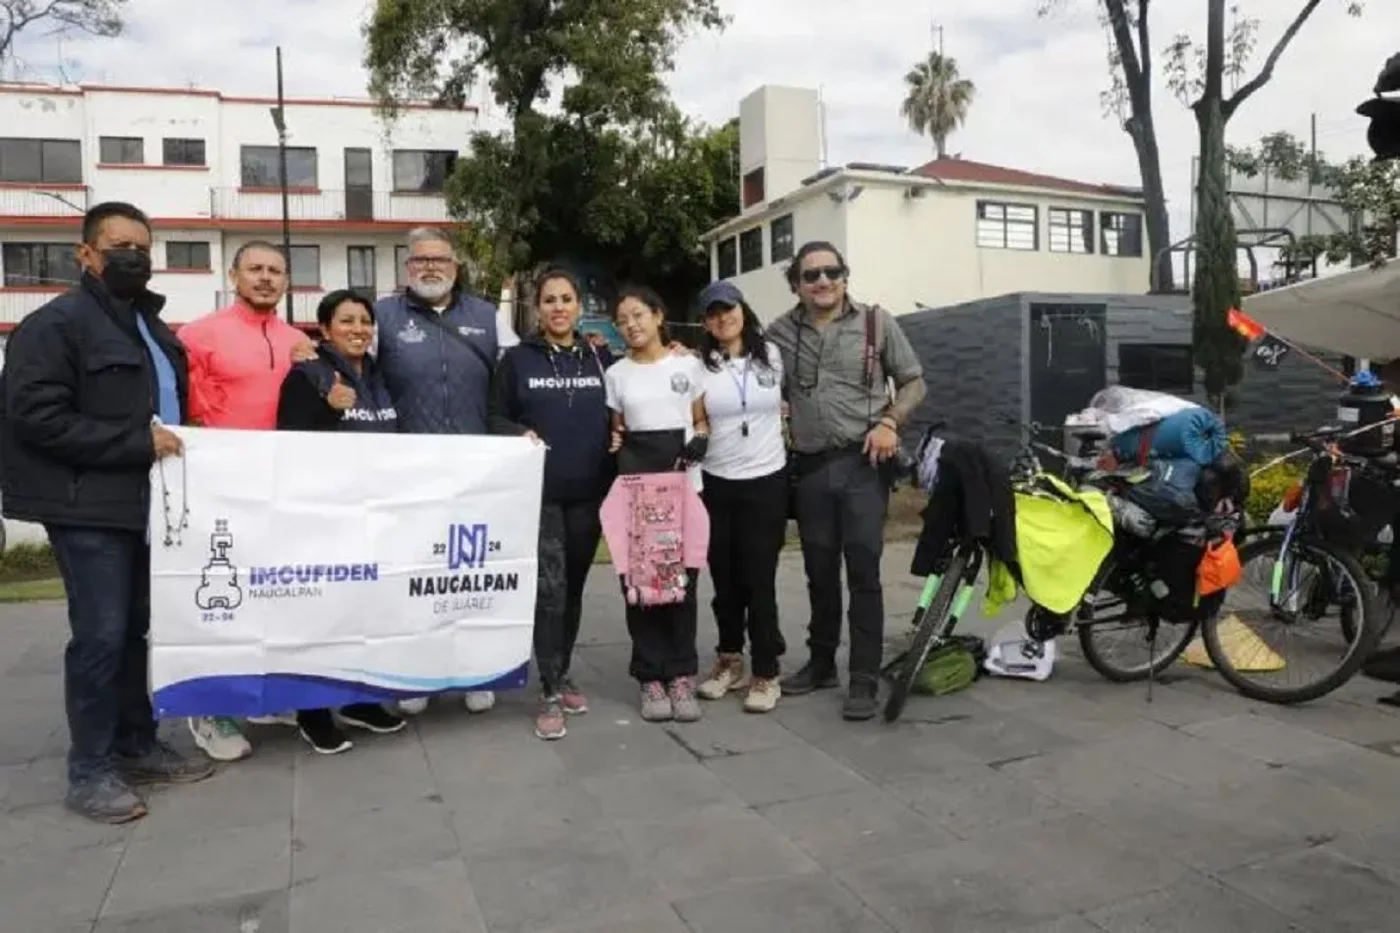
[282,175]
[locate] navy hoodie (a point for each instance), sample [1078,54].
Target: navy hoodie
[302,405]
[557,392]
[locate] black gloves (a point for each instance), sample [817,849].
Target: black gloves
[695,448]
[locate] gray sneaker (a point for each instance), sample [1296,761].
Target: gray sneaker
[105,798]
[684,706]
[163,765]
[656,705]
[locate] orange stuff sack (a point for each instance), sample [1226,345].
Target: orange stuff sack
[1219,568]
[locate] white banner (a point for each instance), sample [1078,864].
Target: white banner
[315,570]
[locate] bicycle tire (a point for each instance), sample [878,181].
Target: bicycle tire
[919,645]
[1119,675]
[1362,646]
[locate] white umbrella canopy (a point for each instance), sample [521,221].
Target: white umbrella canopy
[1355,313]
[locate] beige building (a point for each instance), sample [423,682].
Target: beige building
[946,232]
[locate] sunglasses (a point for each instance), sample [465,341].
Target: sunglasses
[832,273]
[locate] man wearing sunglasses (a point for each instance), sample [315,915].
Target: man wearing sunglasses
[839,358]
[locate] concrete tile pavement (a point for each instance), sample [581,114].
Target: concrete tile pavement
[1072,806]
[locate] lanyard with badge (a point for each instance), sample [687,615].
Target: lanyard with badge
[742,388]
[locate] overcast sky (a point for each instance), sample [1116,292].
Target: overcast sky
[1038,81]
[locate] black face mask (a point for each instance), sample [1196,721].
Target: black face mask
[125,272]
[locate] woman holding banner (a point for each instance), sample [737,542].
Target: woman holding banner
[339,390]
[551,387]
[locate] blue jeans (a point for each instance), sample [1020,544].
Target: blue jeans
[106,575]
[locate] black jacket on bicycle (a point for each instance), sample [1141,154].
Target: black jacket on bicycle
[972,499]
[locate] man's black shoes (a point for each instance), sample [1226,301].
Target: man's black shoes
[814,675]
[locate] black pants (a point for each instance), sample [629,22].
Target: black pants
[663,637]
[107,578]
[748,522]
[569,533]
[841,503]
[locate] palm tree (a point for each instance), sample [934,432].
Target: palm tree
[937,99]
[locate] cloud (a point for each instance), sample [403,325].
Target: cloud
[1038,81]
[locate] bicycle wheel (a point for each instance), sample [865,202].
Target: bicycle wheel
[919,645]
[1315,576]
[1163,647]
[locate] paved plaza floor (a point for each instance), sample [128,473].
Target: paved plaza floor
[1071,806]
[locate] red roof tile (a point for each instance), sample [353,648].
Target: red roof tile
[969,171]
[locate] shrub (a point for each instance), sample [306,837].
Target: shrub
[28,562]
[1266,489]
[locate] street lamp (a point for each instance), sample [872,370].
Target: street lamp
[279,120]
[1384,112]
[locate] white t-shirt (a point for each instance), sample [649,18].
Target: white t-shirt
[743,393]
[657,396]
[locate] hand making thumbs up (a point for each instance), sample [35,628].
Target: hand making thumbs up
[341,396]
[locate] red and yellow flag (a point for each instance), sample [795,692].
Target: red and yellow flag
[1244,325]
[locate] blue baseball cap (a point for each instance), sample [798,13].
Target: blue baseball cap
[719,293]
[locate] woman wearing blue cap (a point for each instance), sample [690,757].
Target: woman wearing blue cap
[745,492]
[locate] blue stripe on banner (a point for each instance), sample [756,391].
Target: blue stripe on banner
[266,694]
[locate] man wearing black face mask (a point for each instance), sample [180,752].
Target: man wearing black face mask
[89,380]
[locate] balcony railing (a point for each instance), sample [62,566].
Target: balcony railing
[343,206]
[33,201]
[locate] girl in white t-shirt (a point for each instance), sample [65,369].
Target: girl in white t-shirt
[746,494]
[659,425]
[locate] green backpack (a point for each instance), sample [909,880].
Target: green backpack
[951,667]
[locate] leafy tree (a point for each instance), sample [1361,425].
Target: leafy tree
[1128,99]
[937,99]
[95,17]
[1368,191]
[1197,75]
[551,176]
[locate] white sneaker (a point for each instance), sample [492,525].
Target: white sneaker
[276,719]
[413,707]
[480,701]
[219,737]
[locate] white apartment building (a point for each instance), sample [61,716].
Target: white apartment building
[204,166]
[946,232]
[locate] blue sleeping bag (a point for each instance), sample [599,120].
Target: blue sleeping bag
[1193,434]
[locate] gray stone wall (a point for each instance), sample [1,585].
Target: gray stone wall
[972,358]
[974,364]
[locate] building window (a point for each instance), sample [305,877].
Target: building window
[360,275]
[121,150]
[727,258]
[187,254]
[28,265]
[1121,234]
[1159,367]
[1007,226]
[753,187]
[183,151]
[1070,231]
[751,250]
[425,170]
[783,242]
[41,161]
[260,168]
[400,266]
[305,266]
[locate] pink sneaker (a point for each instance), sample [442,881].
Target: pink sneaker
[571,698]
[684,706]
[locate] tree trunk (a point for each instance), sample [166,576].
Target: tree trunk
[1216,290]
[1143,132]
[940,146]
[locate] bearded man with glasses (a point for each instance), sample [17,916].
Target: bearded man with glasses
[839,358]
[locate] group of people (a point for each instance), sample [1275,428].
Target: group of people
[799,419]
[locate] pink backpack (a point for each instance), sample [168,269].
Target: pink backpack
[657,529]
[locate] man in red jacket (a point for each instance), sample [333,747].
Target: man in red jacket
[238,357]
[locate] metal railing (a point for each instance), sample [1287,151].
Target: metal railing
[14,305]
[41,202]
[348,206]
